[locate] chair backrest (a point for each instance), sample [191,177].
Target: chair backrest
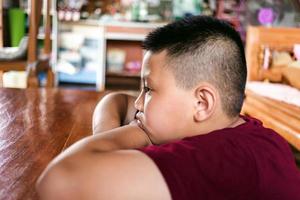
[48,29]
[275,38]
[34,21]
[35,16]
[33,64]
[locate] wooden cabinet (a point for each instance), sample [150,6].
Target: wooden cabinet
[128,38]
[80,54]
[124,36]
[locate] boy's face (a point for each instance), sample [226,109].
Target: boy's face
[165,110]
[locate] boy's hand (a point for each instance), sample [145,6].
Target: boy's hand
[114,110]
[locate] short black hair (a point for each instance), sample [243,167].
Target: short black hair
[203,48]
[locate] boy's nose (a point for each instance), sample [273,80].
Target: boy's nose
[139,102]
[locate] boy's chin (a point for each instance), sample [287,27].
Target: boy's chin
[158,140]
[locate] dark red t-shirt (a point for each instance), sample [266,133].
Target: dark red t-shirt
[245,162]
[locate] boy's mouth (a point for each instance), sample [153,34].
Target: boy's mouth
[138,115]
[139,119]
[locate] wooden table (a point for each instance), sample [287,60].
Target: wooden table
[35,126]
[281,117]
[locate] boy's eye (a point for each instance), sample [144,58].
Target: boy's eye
[146,89]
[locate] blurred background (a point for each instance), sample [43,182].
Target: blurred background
[96,44]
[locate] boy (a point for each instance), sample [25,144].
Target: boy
[188,140]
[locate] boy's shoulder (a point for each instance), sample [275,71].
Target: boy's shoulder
[227,158]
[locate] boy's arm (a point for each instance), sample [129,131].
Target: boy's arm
[114,110]
[125,137]
[94,168]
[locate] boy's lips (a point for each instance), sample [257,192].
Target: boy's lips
[139,119]
[138,115]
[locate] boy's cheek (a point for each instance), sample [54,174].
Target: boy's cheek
[158,132]
[157,124]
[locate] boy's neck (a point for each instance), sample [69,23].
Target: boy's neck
[214,123]
[236,122]
[225,122]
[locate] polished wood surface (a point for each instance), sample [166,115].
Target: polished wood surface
[35,126]
[281,117]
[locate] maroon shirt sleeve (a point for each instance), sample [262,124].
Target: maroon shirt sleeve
[246,162]
[201,172]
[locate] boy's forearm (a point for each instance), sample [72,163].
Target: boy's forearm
[113,111]
[125,137]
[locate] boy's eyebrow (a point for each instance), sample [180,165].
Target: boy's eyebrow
[148,79]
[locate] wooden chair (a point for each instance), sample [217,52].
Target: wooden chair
[280,116]
[274,38]
[34,63]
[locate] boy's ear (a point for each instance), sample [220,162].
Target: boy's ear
[205,102]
